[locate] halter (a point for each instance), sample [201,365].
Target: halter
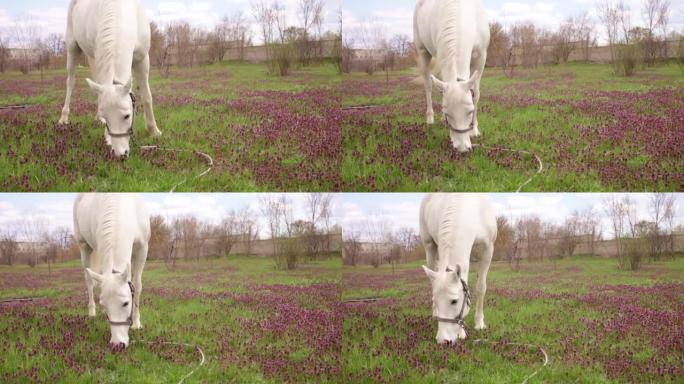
[459,318]
[128,133]
[129,320]
[472,123]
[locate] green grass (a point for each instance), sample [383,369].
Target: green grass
[193,108]
[547,126]
[229,306]
[194,304]
[393,341]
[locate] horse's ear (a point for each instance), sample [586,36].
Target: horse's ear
[125,276]
[94,275]
[126,88]
[429,272]
[473,78]
[457,272]
[94,86]
[439,83]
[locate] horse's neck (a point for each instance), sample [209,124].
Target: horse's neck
[116,239]
[454,53]
[112,56]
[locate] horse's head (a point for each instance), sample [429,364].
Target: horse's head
[450,303]
[116,297]
[459,110]
[115,104]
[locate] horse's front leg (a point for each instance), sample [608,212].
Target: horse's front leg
[138,264]
[481,286]
[479,66]
[142,74]
[86,251]
[73,55]
[424,58]
[476,99]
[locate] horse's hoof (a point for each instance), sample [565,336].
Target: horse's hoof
[136,326]
[430,120]
[480,327]
[63,121]
[155,132]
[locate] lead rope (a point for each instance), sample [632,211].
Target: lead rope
[533,374]
[180,344]
[206,157]
[540,165]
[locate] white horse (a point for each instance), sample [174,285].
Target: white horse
[113,232]
[456,34]
[449,226]
[115,37]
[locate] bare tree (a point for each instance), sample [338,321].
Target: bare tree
[590,227]
[273,212]
[564,41]
[26,37]
[310,13]
[569,234]
[317,206]
[247,228]
[352,245]
[615,209]
[609,15]
[661,209]
[656,17]
[584,27]
[4,53]
[225,234]
[9,246]
[160,239]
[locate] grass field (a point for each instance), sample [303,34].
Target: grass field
[593,131]
[598,324]
[264,133]
[255,325]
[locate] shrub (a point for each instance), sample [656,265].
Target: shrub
[633,250]
[287,254]
[628,56]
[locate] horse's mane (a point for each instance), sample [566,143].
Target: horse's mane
[106,39]
[108,229]
[450,37]
[446,227]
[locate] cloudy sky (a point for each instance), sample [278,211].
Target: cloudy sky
[349,209]
[396,16]
[51,15]
[55,209]
[401,210]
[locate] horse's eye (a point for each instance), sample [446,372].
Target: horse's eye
[125,304]
[127,117]
[453,302]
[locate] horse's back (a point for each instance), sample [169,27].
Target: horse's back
[94,210]
[436,20]
[463,214]
[85,18]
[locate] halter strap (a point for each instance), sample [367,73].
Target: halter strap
[128,133]
[459,318]
[472,123]
[129,320]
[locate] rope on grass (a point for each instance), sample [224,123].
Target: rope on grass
[533,374]
[181,344]
[360,107]
[362,300]
[540,165]
[12,107]
[20,299]
[208,159]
